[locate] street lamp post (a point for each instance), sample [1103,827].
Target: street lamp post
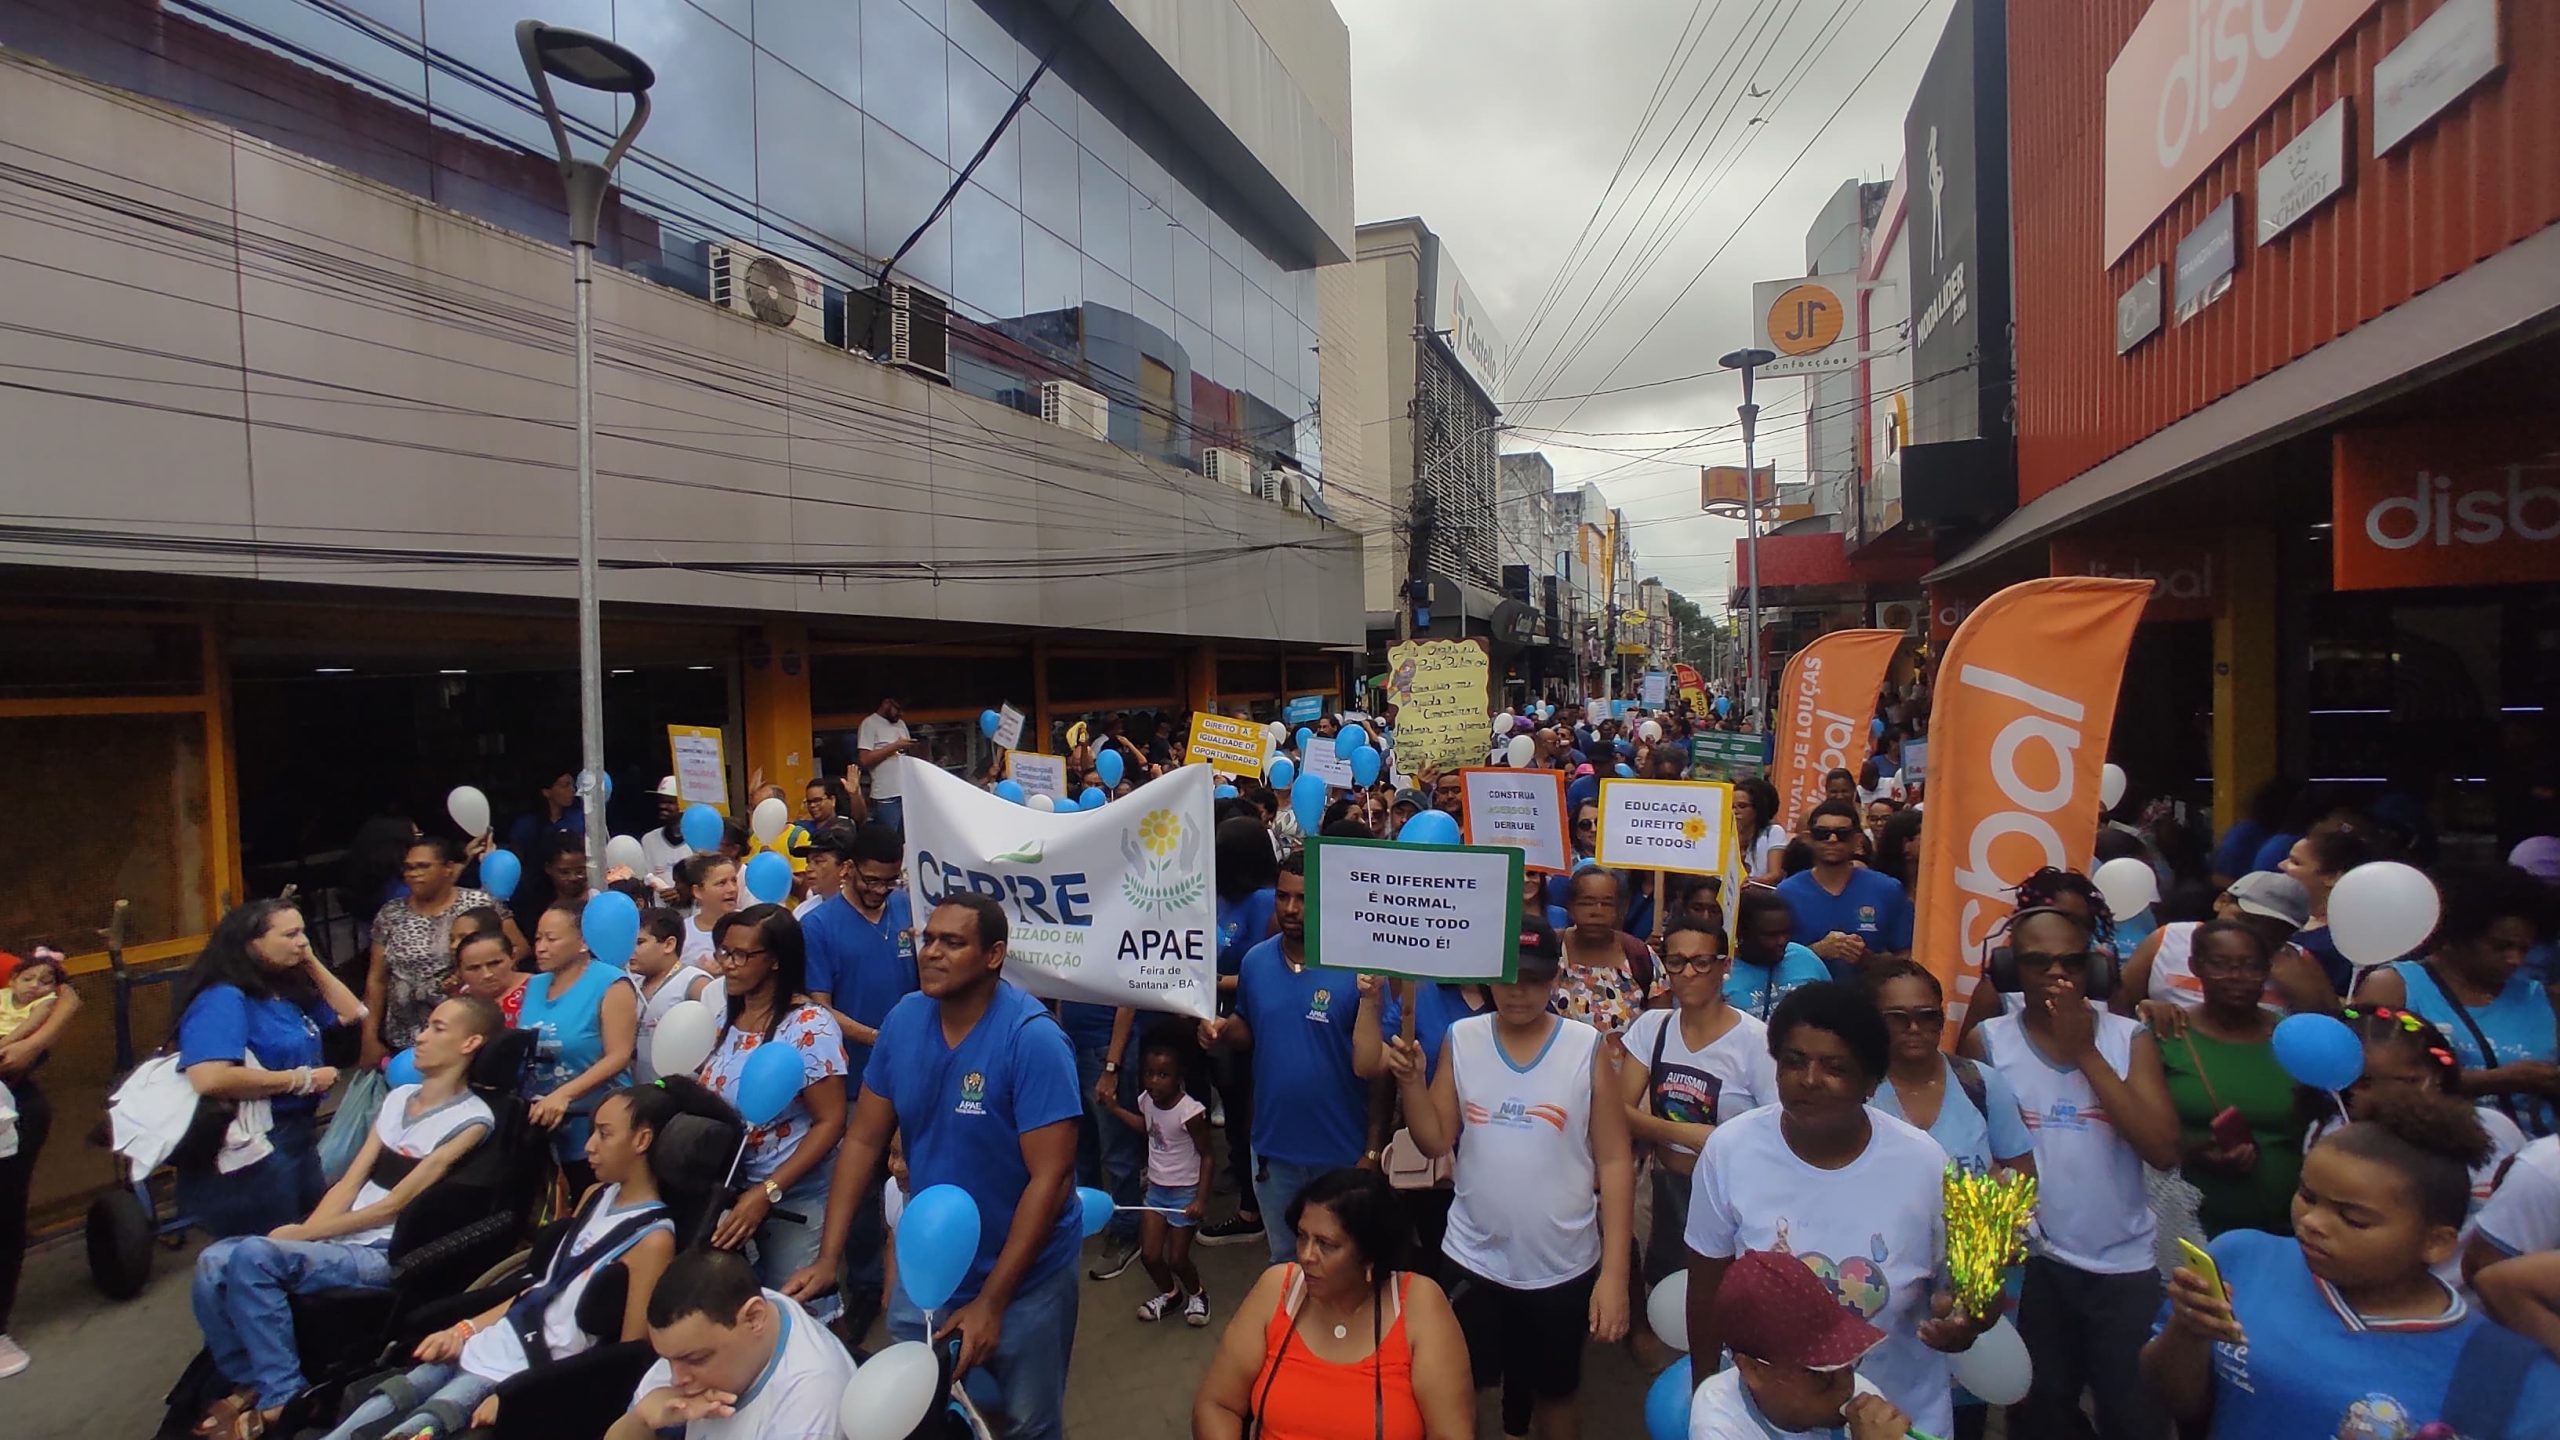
[590,62]
[1748,361]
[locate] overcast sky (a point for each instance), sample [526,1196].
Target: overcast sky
[1499,122]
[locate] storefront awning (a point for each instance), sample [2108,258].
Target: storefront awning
[2502,302]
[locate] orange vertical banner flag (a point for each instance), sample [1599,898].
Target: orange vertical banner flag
[1826,697]
[2018,731]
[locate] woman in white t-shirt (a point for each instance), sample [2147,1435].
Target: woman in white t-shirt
[710,884]
[624,1220]
[1686,1071]
[1849,1190]
[1538,1234]
[1177,1131]
[1755,822]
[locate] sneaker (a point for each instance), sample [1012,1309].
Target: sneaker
[1236,1231]
[1117,1256]
[1155,1307]
[1195,1309]
[12,1358]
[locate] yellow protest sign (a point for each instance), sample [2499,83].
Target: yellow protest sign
[1228,746]
[1439,688]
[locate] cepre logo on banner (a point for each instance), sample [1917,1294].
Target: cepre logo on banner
[2473,504]
[2193,78]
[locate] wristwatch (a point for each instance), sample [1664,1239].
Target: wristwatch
[1110,1067]
[772,1193]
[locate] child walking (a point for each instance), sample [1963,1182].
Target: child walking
[1177,1131]
[662,979]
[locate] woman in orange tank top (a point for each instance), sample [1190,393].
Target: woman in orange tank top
[1341,1345]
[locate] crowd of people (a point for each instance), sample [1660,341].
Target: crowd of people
[1459,1188]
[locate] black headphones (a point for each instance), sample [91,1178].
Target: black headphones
[2002,965]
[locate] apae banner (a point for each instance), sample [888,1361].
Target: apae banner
[1110,906]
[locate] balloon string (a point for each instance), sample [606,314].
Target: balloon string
[2339,1099]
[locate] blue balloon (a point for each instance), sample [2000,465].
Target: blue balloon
[1092,798]
[1306,738]
[1307,801]
[1282,772]
[1666,1405]
[769,878]
[611,927]
[1365,765]
[1429,827]
[499,872]
[766,1085]
[989,722]
[1351,741]
[1110,767]
[1626,772]
[701,828]
[1097,1209]
[1223,792]
[937,1240]
[2319,1051]
[402,1070]
[1627,749]
[1009,790]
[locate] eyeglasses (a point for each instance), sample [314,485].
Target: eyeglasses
[730,952]
[1691,962]
[1924,1018]
[1831,834]
[1586,824]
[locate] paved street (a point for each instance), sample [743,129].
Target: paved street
[101,1368]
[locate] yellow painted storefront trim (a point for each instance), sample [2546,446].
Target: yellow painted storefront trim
[2244,674]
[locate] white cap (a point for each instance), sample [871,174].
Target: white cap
[667,788]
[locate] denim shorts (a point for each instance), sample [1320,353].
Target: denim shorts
[1171,1199]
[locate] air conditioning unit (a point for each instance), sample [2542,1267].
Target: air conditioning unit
[1231,467]
[768,289]
[1906,616]
[902,326]
[1285,488]
[1071,406]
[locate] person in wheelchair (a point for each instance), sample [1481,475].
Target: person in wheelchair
[243,1285]
[631,1222]
[735,1361]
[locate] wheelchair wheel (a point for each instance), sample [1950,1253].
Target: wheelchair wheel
[120,1233]
[513,1267]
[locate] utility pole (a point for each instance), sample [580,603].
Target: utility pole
[1748,361]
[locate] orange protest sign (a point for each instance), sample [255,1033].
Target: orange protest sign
[2018,737]
[1825,699]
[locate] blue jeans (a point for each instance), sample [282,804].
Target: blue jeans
[1281,1182]
[240,1295]
[1026,1377]
[452,1390]
[278,1190]
[785,1246]
[891,812]
[1109,1155]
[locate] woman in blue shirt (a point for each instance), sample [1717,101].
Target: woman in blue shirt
[586,1025]
[250,1013]
[1767,964]
[2472,987]
[2356,1333]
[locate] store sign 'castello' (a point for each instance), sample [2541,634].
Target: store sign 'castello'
[2193,78]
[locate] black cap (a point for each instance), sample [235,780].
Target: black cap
[833,838]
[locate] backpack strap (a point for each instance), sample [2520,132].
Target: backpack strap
[1976,1089]
[525,1315]
[1653,1067]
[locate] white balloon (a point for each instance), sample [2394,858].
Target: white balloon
[2382,911]
[469,809]
[1044,803]
[769,819]
[625,851]
[890,1393]
[1521,751]
[684,1039]
[1650,732]
[1667,1311]
[1279,734]
[2110,786]
[2128,883]
[1995,1368]
[1503,722]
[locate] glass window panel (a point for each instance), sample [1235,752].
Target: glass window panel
[1194,339]
[1223,240]
[978,102]
[986,254]
[1098,123]
[985,37]
[1153,311]
[821,39]
[476,38]
[702,111]
[1310,312]
[903,82]
[1190,196]
[1053,96]
[1226,365]
[1151,248]
[809,155]
[1226,314]
[738,15]
[1106,213]
[1263,386]
[1192,293]
[900,187]
[1052,273]
[347,41]
[1049,189]
[1102,287]
[1257,327]
[1156,414]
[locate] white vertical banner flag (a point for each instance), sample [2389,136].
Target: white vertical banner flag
[1111,906]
